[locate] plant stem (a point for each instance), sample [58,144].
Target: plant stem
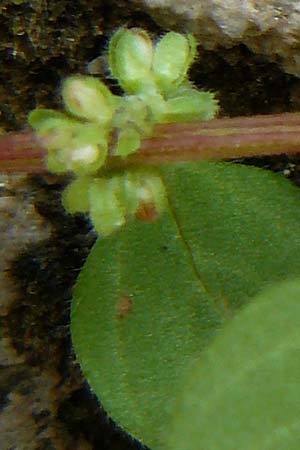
[217,139]
[225,138]
[21,152]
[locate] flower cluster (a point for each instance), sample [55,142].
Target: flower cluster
[95,122]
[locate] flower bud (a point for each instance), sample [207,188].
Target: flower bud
[86,159]
[75,198]
[152,193]
[106,212]
[55,129]
[143,188]
[88,98]
[130,59]
[173,56]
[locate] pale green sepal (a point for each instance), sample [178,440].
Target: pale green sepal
[132,109]
[87,159]
[153,192]
[150,190]
[192,106]
[37,118]
[128,192]
[81,149]
[193,48]
[172,57]
[89,133]
[106,212]
[128,142]
[130,58]
[55,129]
[56,161]
[88,98]
[75,198]
[143,187]
[157,107]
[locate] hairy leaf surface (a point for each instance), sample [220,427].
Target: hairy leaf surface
[151,297]
[243,392]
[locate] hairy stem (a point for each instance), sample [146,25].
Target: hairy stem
[225,138]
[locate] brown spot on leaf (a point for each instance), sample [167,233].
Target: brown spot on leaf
[124,306]
[147,212]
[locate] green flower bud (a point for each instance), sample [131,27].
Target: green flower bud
[54,128]
[112,201]
[152,192]
[74,146]
[143,187]
[173,56]
[75,198]
[106,211]
[88,98]
[130,59]
[86,160]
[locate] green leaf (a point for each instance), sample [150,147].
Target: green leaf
[150,298]
[243,392]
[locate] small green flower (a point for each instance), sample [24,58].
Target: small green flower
[130,59]
[88,98]
[96,122]
[106,211]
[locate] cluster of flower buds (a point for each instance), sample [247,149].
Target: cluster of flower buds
[111,200]
[95,121]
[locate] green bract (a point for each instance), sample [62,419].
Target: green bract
[97,123]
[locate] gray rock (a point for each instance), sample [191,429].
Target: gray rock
[269,27]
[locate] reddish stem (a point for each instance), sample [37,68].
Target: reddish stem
[225,138]
[21,152]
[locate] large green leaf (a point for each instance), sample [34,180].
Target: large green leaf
[243,392]
[150,297]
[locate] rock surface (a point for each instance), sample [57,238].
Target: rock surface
[270,27]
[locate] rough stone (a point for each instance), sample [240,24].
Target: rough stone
[270,27]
